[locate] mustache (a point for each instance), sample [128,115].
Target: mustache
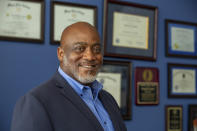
[87,62]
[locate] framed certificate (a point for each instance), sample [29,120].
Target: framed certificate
[130,30]
[115,77]
[192,117]
[22,20]
[174,118]
[182,81]
[146,86]
[64,14]
[181,39]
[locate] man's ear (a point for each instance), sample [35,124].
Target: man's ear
[60,54]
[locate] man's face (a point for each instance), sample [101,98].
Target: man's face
[82,56]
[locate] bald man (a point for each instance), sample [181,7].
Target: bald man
[72,100]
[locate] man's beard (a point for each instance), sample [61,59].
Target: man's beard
[85,79]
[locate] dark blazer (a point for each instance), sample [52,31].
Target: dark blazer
[55,106]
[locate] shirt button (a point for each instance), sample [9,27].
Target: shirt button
[105,122]
[81,95]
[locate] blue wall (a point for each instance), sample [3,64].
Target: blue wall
[25,65]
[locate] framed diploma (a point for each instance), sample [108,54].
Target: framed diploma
[130,30]
[64,14]
[192,117]
[147,86]
[174,118]
[115,77]
[181,39]
[22,20]
[182,81]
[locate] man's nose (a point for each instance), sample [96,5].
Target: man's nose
[89,55]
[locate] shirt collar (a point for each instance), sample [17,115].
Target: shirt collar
[78,87]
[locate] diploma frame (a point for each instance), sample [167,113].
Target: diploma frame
[147,86]
[178,111]
[66,4]
[124,68]
[182,94]
[190,52]
[131,9]
[41,25]
[192,117]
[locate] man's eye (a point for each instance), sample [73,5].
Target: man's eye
[79,49]
[97,50]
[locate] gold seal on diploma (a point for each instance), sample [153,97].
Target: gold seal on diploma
[176,46]
[29,17]
[147,75]
[74,15]
[7,14]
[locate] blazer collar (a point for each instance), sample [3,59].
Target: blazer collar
[68,92]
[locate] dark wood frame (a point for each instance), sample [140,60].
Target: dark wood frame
[192,110]
[178,54]
[167,115]
[170,66]
[133,53]
[94,8]
[42,21]
[124,68]
[155,81]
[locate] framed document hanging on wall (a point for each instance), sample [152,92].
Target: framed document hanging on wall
[22,20]
[182,81]
[192,117]
[181,39]
[64,14]
[174,118]
[147,86]
[130,30]
[116,79]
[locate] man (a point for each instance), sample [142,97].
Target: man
[72,100]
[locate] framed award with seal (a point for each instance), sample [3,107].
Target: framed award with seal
[64,14]
[182,81]
[192,117]
[147,86]
[174,118]
[22,20]
[181,39]
[115,77]
[130,30]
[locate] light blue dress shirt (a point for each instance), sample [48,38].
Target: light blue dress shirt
[90,97]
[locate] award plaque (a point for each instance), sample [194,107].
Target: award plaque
[22,20]
[147,86]
[174,118]
[115,77]
[65,14]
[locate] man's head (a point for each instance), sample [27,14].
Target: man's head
[80,52]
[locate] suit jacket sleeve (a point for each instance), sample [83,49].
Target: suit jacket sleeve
[30,115]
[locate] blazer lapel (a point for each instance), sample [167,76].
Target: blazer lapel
[68,92]
[109,108]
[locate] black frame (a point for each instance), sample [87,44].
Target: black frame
[192,114]
[181,54]
[180,66]
[111,6]
[124,68]
[42,21]
[94,8]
